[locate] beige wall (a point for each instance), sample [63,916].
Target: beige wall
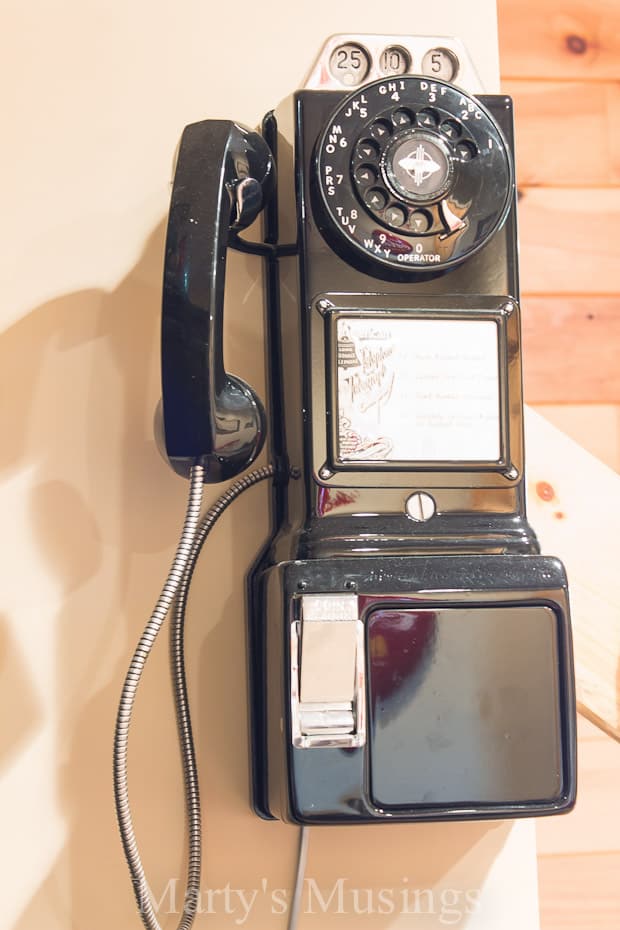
[95,97]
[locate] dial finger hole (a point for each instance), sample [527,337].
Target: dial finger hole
[402,117]
[428,118]
[381,130]
[420,222]
[466,150]
[375,199]
[451,129]
[365,175]
[395,215]
[367,150]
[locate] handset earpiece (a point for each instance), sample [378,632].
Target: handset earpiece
[224,176]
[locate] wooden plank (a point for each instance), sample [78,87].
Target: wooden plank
[580,892]
[588,732]
[593,824]
[551,118]
[570,349]
[574,503]
[567,39]
[569,240]
[596,427]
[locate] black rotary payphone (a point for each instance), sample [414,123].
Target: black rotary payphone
[409,649]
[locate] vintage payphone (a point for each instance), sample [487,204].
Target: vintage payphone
[409,649]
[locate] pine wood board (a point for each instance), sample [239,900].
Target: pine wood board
[594,822]
[580,891]
[569,240]
[596,427]
[570,349]
[574,504]
[552,118]
[560,39]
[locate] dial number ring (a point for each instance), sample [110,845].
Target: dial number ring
[452,185]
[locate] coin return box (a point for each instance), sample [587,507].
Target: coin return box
[328,691]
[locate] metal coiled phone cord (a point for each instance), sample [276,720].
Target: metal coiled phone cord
[175,590]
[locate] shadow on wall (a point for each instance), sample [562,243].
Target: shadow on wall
[82,373]
[618,696]
[17,696]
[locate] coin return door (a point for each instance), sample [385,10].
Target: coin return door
[328,676]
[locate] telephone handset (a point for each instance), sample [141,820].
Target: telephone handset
[224,176]
[409,648]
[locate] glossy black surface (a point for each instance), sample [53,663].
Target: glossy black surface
[223,177]
[469,657]
[342,531]
[464,705]
[485,280]
[256,644]
[414,767]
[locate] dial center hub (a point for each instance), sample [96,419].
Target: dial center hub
[417,166]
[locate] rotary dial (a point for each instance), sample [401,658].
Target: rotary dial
[413,173]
